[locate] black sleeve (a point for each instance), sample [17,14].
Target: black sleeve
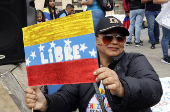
[142,85]
[64,100]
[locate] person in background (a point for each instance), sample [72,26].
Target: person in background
[40,16]
[127,12]
[57,11]
[137,11]
[97,12]
[49,10]
[166,34]
[127,81]
[126,7]
[68,11]
[151,12]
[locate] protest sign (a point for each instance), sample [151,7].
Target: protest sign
[164,104]
[164,16]
[61,51]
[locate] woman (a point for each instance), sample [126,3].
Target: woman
[97,12]
[166,34]
[49,10]
[127,82]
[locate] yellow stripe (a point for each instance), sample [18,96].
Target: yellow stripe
[46,10]
[60,28]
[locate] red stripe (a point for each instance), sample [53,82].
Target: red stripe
[70,72]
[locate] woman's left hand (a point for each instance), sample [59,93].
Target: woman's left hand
[110,80]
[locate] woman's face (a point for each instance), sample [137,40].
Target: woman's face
[113,48]
[51,3]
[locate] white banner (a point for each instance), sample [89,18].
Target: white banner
[164,104]
[164,17]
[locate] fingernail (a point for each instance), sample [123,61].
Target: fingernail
[33,92]
[94,73]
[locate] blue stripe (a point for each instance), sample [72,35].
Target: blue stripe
[88,40]
[47,15]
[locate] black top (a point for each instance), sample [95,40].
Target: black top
[153,7]
[61,12]
[135,4]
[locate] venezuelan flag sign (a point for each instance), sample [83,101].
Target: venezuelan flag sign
[61,51]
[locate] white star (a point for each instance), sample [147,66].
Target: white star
[52,44]
[33,54]
[41,48]
[93,53]
[83,47]
[67,42]
[28,61]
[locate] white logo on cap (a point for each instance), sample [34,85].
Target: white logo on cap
[113,20]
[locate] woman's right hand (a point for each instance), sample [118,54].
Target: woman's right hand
[35,99]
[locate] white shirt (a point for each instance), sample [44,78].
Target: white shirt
[94,105]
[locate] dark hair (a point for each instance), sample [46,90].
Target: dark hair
[46,4]
[43,17]
[70,6]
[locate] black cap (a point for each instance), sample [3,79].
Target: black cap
[108,23]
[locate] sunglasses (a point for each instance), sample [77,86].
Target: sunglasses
[107,38]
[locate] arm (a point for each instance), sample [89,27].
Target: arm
[142,85]
[145,1]
[125,6]
[160,1]
[64,100]
[138,86]
[88,2]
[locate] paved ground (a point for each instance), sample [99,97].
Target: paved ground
[153,55]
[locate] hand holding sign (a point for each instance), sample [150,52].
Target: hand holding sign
[35,99]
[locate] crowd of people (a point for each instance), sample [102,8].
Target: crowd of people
[50,12]
[127,81]
[135,10]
